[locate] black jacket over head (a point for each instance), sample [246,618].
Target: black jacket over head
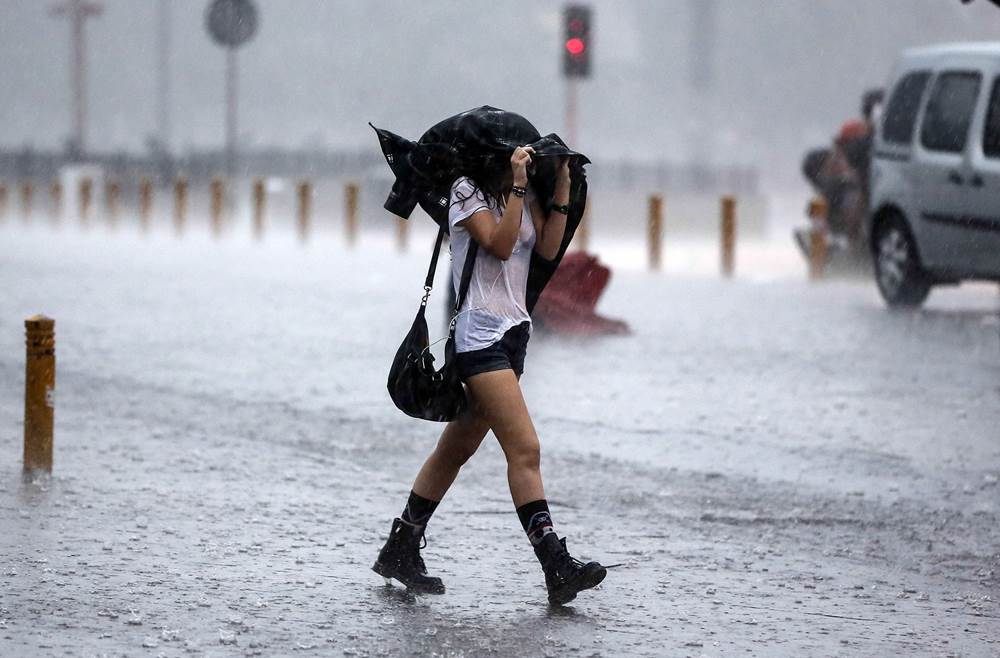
[482,138]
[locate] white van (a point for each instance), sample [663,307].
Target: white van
[935,175]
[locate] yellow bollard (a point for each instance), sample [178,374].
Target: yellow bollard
[86,196]
[145,202]
[27,192]
[817,238]
[304,207]
[180,204]
[217,188]
[55,196]
[728,236]
[402,234]
[351,213]
[655,230]
[112,199]
[39,392]
[259,198]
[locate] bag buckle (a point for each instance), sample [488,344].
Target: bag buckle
[427,294]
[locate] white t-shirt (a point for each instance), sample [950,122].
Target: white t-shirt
[496,298]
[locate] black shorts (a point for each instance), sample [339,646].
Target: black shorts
[505,354]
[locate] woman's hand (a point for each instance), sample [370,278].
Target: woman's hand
[519,163]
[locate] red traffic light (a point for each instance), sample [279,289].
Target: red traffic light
[575,46]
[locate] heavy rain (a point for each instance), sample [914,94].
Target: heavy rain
[722,274]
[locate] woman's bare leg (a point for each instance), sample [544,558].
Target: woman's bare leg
[497,399]
[459,441]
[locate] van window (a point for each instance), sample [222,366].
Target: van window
[949,111]
[991,133]
[901,113]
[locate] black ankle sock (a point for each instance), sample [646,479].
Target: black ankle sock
[535,519]
[418,509]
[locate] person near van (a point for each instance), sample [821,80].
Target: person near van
[496,207]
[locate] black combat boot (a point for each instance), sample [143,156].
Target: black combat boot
[400,559]
[564,574]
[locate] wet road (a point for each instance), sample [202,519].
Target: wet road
[779,468]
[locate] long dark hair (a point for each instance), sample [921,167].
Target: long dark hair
[490,177]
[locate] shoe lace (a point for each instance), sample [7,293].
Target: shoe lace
[567,562]
[417,557]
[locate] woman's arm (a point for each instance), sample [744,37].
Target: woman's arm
[551,229]
[499,239]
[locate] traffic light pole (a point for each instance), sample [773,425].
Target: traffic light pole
[572,89]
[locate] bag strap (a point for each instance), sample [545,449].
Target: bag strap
[429,281]
[463,286]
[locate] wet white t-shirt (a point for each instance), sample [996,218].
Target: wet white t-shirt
[496,298]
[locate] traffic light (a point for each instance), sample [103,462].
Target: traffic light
[577,44]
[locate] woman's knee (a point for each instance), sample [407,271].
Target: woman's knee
[456,456]
[526,455]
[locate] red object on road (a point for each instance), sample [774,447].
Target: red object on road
[568,304]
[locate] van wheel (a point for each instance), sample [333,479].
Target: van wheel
[901,279]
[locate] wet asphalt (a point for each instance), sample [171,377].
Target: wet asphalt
[777,468]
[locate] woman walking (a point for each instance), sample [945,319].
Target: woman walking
[498,210]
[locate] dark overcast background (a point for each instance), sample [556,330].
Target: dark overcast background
[788,71]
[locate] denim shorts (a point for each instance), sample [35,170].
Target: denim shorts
[505,354]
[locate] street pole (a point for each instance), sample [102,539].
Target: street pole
[163,74]
[78,12]
[232,79]
[231,23]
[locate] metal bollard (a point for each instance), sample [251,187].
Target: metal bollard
[180,204]
[112,199]
[259,199]
[304,195]
[402,234]
[655,230]
[145,202]
[86,196]
[3,200]
[817,238]
[217,190]
[27,192]
[728,236]
[351,213]
[56,199]
[39,392]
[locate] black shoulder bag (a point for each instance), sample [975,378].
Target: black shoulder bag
[415,387]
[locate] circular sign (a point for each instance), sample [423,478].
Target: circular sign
[231,22]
